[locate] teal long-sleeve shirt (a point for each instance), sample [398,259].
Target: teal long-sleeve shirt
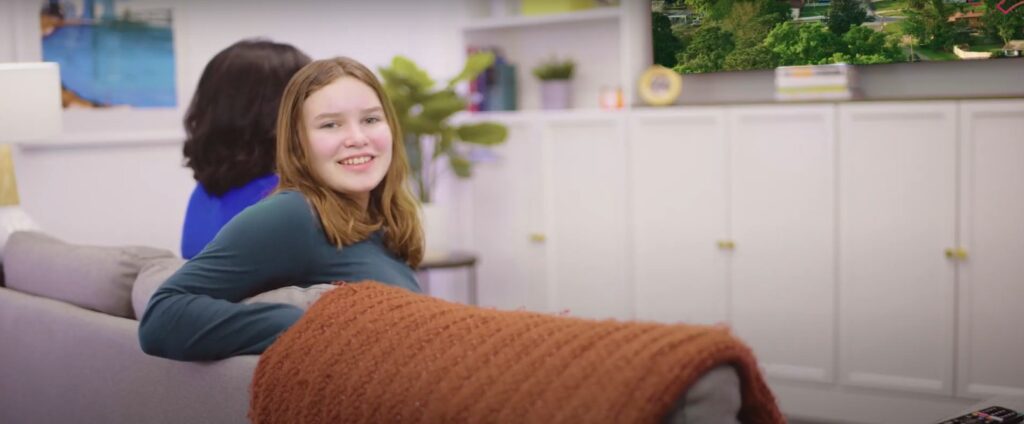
[196,315]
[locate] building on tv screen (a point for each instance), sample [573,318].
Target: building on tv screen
[694,36]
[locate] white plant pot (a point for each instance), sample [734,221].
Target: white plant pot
[555,94]
[435,229]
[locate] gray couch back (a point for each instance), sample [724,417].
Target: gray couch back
[60,363]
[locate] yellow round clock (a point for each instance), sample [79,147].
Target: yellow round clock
[660,86]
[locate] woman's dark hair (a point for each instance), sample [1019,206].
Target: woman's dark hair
[230,122]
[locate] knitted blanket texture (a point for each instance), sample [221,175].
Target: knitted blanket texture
[372,353]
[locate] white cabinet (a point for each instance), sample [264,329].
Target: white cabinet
[911,187]
[897,215]
[991,289]
[678,205]
[585,202]
[760,178]
[508,222]
[549,216]
[840,216]
[783,224]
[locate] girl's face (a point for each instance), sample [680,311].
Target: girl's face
[349,137]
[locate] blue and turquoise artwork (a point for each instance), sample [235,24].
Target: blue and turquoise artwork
[111,52]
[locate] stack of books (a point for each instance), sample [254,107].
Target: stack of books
[816,82]
[495,89]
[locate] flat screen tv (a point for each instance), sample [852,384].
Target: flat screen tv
[696,36]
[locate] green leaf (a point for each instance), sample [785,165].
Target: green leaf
[460,165]
[389,76]
[420,125]
[423,111]
[398,85]
[475,64]
[439,106]
[400,99]
[484,133]
[407,70]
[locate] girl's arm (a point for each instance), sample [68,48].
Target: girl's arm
[195,315]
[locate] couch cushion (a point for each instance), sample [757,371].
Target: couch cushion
[93,277]
[714,398]
[63,364]
[151,276]
[301,297]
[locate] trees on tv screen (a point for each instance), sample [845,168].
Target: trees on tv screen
[695,36]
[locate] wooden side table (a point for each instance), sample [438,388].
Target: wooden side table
[450,260]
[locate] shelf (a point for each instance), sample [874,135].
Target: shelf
[540,115]
[513,22]
[107,139]
[519,116]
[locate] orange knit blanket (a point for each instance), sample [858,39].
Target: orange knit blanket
[372,353]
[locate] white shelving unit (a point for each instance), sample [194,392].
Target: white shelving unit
[504,22]
[610,45]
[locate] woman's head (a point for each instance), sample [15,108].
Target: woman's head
[339,143]
[230,122]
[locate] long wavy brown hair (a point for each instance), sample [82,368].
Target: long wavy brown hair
[392,206]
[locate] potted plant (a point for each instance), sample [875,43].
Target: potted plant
[556,82]
[430,137]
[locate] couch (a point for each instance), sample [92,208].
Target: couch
[69,349]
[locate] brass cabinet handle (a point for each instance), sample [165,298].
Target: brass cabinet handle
[726,244]
[538,237]
[958,253]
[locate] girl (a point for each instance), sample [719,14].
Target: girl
[342,212]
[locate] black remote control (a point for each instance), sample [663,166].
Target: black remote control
[990,415]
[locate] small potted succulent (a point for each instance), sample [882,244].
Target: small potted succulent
[555,82]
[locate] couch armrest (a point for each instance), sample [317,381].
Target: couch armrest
[62,363]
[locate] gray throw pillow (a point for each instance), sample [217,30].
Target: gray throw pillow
[301,297]
[151,276]
[93,277]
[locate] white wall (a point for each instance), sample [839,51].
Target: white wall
[115,177]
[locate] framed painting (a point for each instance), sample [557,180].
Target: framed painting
[119,66]
[112,53]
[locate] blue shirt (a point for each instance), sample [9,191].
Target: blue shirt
[278,242]
[206,213]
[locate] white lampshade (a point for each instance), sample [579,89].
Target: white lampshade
[30,107]
[30,111]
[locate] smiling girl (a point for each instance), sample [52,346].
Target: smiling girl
[341,212]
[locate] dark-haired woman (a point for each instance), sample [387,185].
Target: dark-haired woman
[230,143]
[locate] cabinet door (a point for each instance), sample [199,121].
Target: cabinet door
[897,214]
[586,213]
[678,163]
[507,216]
[991,336]
[783,224]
